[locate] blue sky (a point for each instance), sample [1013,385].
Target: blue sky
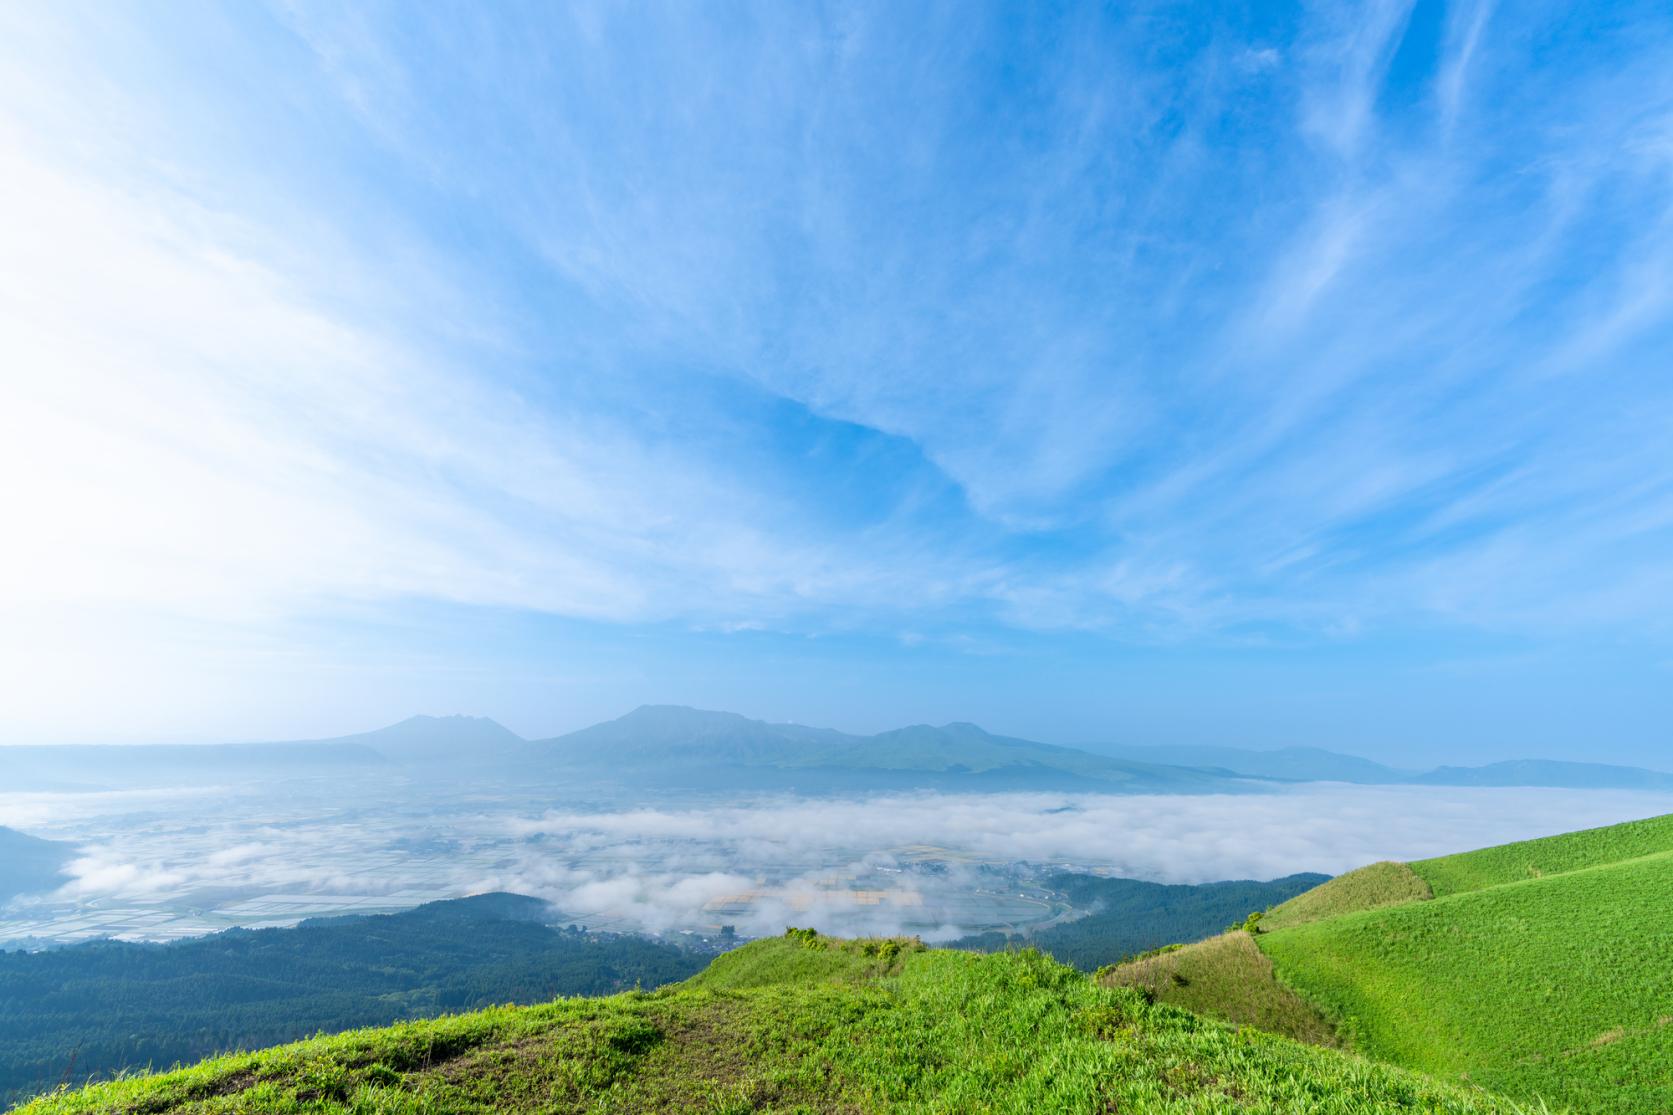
[1239,374]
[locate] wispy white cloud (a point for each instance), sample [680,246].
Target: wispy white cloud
[1465,25]
[799,325]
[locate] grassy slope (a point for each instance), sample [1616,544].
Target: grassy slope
[1551,855]
[1227,977]
[1380,884]
[780,1025]
[1543,969]
[1560,986]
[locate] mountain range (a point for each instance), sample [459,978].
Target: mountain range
[683,746]
[680,743]
[675,746]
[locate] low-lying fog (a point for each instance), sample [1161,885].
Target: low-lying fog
[162,864]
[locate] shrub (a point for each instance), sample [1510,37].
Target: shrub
[808,938]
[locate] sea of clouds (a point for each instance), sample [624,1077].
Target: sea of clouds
[657,869]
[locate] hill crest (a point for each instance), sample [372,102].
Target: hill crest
[803,1023]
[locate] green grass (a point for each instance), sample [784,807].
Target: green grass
[1542,970]
[1380,884]
[805,1024]
[1559,987]
[1551,855]
[1227,977]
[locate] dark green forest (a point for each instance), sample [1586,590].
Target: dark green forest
[88,1011]
[1130,916]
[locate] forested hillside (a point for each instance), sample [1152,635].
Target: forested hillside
[95,1009]
[1131,916]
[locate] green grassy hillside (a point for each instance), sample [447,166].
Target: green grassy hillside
[1381,884]
[805,1024]
[1227,977]
[1543,969]
[1560,987]
[1551,855]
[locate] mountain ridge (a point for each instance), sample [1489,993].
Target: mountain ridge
[666,738]
[718,749]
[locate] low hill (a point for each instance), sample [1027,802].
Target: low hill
[1130,916]
[805,1024]
[1541,969]
[450,740]
[29,864]
[1315,764]
[1547,772]
[1287,764]
[1365,888]
[1551,855]
[122,1006]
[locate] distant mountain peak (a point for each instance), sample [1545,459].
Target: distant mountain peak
[683,713]
[440,737]
[451,720]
